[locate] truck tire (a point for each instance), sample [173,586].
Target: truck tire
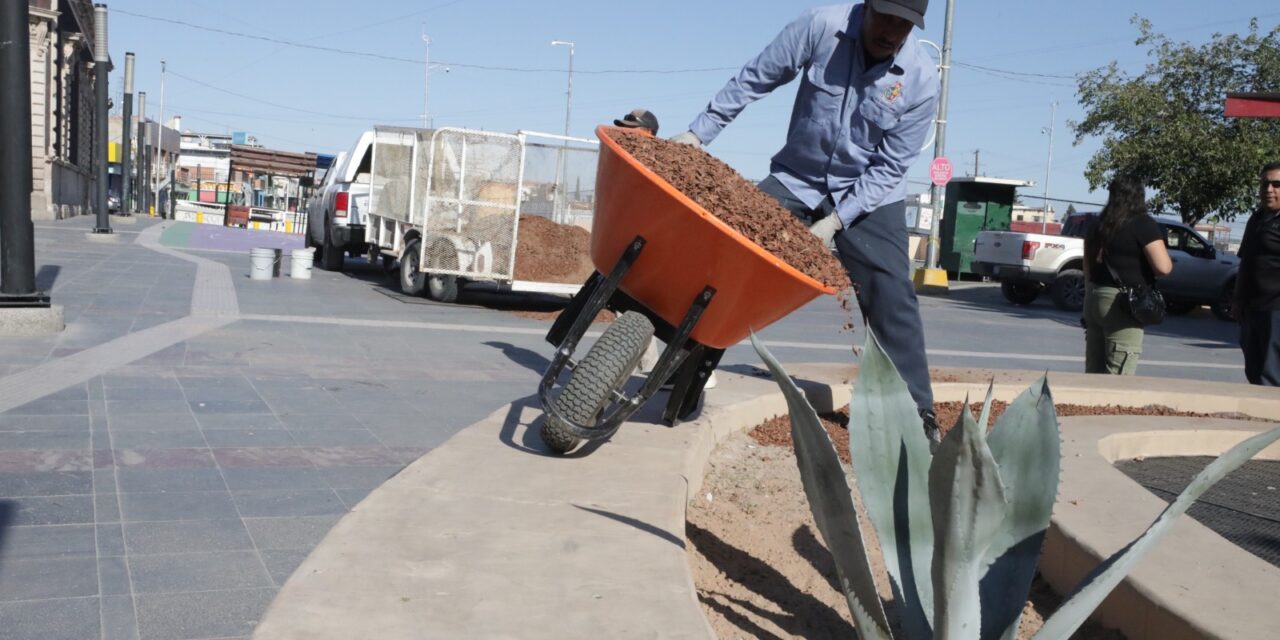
[1222,308]
[331,257]
[1067,290]
[442,288]
[412,281]
[1179,307]
[604,370]
[1020,292]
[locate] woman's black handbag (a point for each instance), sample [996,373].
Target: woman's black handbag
[1146,303]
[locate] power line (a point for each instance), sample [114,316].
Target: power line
[1012,73]
[285,106]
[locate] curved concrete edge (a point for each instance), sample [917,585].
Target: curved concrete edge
[488,536]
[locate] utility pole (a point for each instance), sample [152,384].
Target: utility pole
[101,59]
[126,139]
[144,170]
[426,76]
[561,181]
[976,154]
[1048,167]
[160,145]
[940,141]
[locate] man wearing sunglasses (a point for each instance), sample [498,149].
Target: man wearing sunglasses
[867,98]
[1256,304]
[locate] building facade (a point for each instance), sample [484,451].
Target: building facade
[62,108]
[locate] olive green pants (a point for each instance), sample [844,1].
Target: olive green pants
[1113,339]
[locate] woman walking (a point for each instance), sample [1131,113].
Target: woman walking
[1123,243]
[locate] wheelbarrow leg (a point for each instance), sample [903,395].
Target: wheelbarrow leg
[689,382]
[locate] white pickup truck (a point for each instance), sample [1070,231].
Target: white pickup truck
[1026,264]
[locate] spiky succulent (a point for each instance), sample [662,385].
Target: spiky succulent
[960,531]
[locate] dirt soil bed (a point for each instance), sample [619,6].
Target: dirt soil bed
[736,202]
[758,564]
[550,252]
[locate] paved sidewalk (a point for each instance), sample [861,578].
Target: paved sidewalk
[166,463]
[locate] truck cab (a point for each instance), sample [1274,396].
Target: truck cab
[335,213]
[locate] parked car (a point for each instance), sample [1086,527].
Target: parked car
[113,204]
[335,213]
[1027,264]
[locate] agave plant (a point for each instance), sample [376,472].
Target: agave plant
[960,531]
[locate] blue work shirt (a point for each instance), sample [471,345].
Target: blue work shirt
[855,130]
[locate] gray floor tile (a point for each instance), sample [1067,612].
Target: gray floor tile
[167,480]
[262,504]
[119,622]
[273,478]
[249,437]
[216,614]
[49,578]
[113,576]
[352,497]
[142,394]
[326,422]
[120,381]
[68,619]
[290,533]
[110,539]
[334,438]
[106,507]
[45,483]
[39,542]
[44,423]
[198,572]
[44,440]
[175,421]
[157,507]
[255,406]
[51,510]
[358,477]
[146,538]
[239,421]
[130,439]
[173,403]
[281,563]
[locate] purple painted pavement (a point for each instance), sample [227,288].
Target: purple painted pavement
[215,238]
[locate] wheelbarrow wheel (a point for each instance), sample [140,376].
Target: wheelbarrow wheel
[605,369]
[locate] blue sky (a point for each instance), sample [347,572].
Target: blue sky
[299,99]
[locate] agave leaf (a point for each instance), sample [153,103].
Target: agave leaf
[891,461]
[985,419]
[832,504]
[968,502]
[1027,447]
[1098,584]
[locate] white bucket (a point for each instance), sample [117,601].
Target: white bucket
[300,263]
[262,263]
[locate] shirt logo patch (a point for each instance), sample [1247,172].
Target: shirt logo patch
[892,94]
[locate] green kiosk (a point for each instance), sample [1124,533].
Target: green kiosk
[972,205]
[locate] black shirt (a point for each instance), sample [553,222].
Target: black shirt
[1124,252]
[1260,261]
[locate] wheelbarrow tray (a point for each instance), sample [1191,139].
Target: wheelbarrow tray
[687,249]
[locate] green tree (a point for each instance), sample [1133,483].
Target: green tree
[1071,211]
[1167,125]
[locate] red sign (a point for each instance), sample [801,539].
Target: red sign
[940,171]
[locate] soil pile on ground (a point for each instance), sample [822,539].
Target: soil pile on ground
[551,252]
[736,202]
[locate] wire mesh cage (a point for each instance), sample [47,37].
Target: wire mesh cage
[559,178]
[391,173]
[471,201]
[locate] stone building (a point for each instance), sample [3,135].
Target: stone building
[62,108]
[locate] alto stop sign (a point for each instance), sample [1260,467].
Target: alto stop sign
[940,171]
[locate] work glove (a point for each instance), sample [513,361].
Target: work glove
[826,229]
[687,138]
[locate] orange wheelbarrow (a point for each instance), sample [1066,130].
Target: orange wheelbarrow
[668,268]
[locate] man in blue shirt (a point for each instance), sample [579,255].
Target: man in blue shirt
[867,98]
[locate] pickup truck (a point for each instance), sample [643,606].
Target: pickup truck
[335,213]
[1027,264]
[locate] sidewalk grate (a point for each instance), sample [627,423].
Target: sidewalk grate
[1243,508]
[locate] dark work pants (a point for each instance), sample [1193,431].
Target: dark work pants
[1260,342]
[874,253]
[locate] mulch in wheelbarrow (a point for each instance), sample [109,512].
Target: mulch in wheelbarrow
[736,202]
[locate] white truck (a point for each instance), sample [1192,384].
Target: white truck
[1027,264]
[445,204]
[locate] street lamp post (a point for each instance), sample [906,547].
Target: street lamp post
[101,60]
[561,186]
[159,169]
[126,140]
[1053,115]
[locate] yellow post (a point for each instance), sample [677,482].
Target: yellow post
[199,217]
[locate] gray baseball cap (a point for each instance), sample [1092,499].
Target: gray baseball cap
[912,10]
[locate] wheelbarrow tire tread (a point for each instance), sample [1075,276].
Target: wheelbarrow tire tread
[605,368]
